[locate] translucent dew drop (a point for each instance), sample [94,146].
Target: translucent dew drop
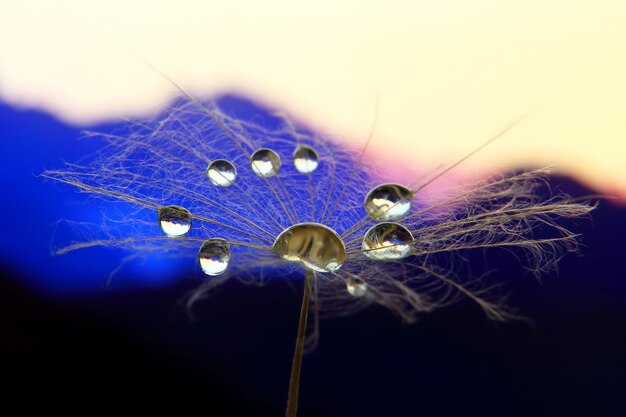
[174,220]
[214,256]
[356,287]
[316,246]
[265,162]
[305,159]
[387,241]
[388,202]
[221,173]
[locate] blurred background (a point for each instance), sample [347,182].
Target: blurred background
[435,80]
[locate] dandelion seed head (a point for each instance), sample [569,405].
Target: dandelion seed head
[254,198]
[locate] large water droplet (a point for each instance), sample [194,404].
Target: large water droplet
[305,159]
[317,246]
[356,286]
[214,256]
[387,241]
[388,202]
[174,220]
[265,162]
[221,173]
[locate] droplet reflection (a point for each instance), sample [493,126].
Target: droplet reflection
[174,220]
[387,241]
[214,256]
[317,246]
[265,162]
[356,286]
[388,202]
[305,159]
[221,173]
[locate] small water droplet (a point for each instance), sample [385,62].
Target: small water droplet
[387,241]
[265,162]
[305,159]
[221,173]
[356,286]
[388,202]
[174,220]
[214,256]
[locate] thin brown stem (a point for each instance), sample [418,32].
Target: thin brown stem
[294,381]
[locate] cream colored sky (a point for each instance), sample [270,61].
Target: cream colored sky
[447,74]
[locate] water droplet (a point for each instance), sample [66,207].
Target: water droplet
[356,286]
[387,241]
[317,246]
[221,173]
[265,162]
[174,220]
[388,202]
[305,159]
[214,256]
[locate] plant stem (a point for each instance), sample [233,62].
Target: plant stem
[294,381]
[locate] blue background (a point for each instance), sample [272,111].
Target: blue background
[71,342]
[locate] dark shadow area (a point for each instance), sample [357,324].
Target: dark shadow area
[137,350]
